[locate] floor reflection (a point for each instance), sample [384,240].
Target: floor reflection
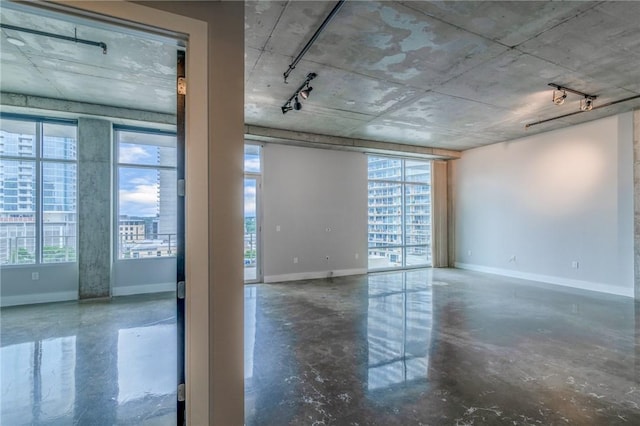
[37,380]
[438,347]
[89,364]
[400,316]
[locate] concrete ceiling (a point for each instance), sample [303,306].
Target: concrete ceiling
[452,75]
[138,71]
[445,75]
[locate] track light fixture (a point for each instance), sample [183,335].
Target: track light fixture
[586,104]
[304,94]
[559,96]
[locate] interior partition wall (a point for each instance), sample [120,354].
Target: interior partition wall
[399,213]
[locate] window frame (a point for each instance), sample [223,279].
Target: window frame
[403,182]
[117,128]
[258,176]
[38,161]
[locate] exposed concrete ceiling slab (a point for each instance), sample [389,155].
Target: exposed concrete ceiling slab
[507,22]
[389,41]
[447,75]
[441,74]
[136,72]
[599,45]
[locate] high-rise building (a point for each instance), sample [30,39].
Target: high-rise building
[399,211]
[37,192]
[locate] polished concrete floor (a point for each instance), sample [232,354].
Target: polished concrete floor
[439,347]
[94,363]
[430,347]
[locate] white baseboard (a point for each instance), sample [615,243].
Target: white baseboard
[30,299]
[566,282]
[313,275]
[142,289]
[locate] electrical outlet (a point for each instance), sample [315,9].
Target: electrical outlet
[35,276]
[277,228]
[295,260]
[469,253]
[357,256]
[575,264]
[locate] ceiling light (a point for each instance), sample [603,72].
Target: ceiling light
[15,41]
[305,93]
[559,96]
[586,104]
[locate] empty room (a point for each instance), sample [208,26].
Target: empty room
[320,213]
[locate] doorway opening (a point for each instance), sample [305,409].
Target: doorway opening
[252,213]
[93,214]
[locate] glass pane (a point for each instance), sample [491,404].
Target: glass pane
[147,149]
[17,212]
[17,138]
[17,240]
[250,230]
[59,141]
[385,213]
[147,210]
[58,212]
[417,214]
[384,168]
[252,158]
[418,256]
[380,257]
[417,171]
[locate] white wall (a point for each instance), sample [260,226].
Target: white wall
[305,192]
[54,282]
[549,200]
[137,276]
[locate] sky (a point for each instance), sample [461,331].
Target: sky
[138,187]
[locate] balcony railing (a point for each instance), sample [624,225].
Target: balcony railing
[142,245]
[22,250]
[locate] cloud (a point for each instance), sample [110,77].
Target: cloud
[249,207]
[142,200]
[252,164]
[133,154]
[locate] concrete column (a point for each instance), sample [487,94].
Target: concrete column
[439,207]
[94,208]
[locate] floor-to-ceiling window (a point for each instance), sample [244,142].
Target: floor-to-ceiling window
[146,193]
[399,211]
[252,184]
[38,166]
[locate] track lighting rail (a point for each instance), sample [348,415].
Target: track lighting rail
[307,46]
[575,92]
[581,111]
